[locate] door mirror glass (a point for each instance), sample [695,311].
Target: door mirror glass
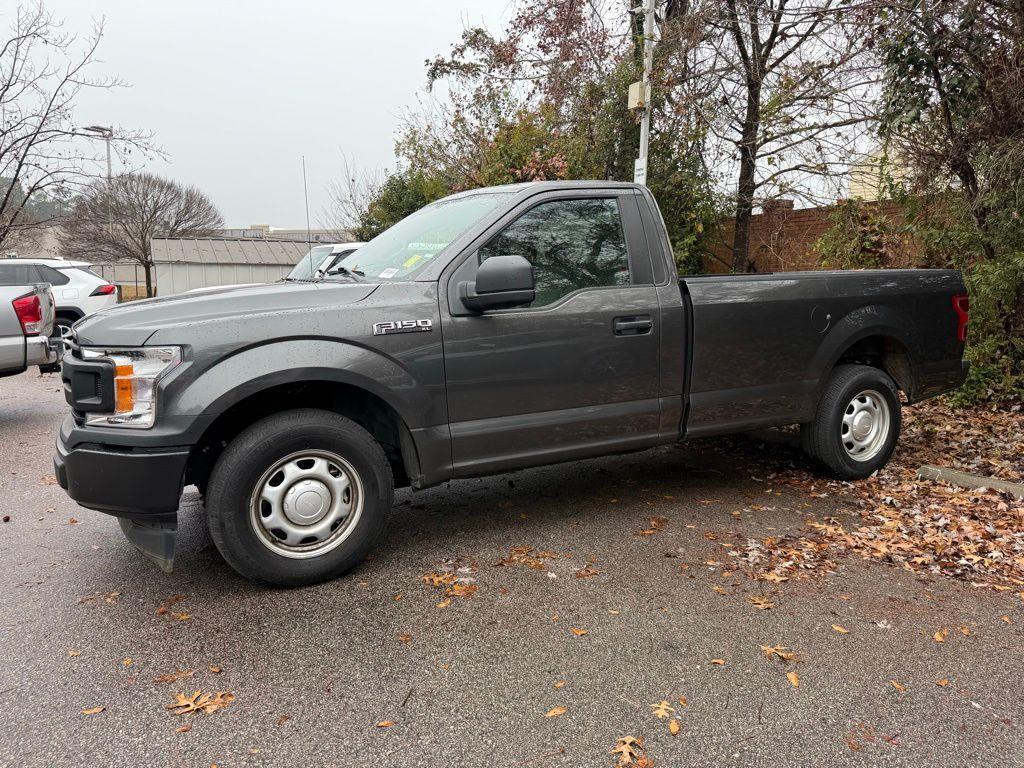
[501,282]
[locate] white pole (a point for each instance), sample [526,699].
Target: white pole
[305,195]
[108,136]
[640,175]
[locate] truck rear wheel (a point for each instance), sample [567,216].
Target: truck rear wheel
[857,423]
[299,497]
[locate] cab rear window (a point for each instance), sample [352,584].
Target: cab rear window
[18,274]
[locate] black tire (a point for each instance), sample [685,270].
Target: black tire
[826,438]
[63,320]
[253,453]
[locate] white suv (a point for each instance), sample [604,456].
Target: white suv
[77,290]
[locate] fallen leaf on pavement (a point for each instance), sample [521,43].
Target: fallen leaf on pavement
[107,597]
[207,703]
[72,652]
[793,678]
[657,525]
[942,683]
[940,636]
[405,638]
[673,727]
[385,723]
[840,630]
[555,712]
[682,701]
[560,684]
[215,670]
[578,632]
[760,602]
[662,709]
[719,662]
[438,579]
[282,720]
[93,710]
[781,651]
[461,590]
[1005,619]
[628,750]
[444,603]
[587,572]
[524,556]
[895,684]
[183,728]
[127,662]
[174,677]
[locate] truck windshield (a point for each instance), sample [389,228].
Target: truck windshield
[308,264]
[400,252]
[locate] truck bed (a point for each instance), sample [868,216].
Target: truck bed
[762,343]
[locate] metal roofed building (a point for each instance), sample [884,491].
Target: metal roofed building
[182,264]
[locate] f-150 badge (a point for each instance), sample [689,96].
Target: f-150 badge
[402,326]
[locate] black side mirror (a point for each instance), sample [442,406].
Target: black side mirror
[501,282]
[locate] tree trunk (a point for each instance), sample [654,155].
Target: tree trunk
[747,181]
[148,269]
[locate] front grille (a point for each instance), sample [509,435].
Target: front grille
[71,345]
[88,383]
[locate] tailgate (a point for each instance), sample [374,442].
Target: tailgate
[49,309]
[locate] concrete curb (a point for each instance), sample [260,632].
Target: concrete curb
[964,480]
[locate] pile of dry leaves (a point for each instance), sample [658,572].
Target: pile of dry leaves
[920,525]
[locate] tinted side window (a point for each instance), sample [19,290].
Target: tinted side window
[51,275]
[572,244]
[17,274]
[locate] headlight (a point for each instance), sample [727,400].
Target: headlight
[136,373]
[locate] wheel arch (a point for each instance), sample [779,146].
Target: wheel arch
[878,336]
[372,389]
[253,401]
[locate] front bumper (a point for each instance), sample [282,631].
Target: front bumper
[133,483]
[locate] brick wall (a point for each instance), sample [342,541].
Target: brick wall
[782,238]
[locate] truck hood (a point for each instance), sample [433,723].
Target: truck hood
[132,324]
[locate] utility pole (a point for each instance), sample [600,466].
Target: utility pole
[640,93]
[107,132]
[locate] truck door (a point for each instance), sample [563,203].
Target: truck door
[575,373]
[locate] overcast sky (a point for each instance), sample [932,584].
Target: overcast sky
[235,92]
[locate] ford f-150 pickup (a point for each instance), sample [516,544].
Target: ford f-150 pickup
[492,330]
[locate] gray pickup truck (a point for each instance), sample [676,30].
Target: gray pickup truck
[492,330]
[27,315]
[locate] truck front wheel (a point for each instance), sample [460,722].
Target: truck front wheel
[299,497]
[857,423]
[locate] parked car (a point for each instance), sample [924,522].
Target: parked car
[77,290]
[317,260]
[26,323]
[492,330]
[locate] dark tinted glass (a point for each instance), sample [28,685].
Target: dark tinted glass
[17,274]
[51,275]
[572,244]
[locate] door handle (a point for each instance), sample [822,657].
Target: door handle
[632,326]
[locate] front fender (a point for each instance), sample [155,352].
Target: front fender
[257,368]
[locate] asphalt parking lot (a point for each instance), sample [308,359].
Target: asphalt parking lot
[382,668]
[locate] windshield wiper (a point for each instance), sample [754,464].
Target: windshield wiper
[340,270]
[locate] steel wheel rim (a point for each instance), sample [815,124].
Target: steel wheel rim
[306,504]
[864,428]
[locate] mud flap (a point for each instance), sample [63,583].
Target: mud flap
[154,540]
